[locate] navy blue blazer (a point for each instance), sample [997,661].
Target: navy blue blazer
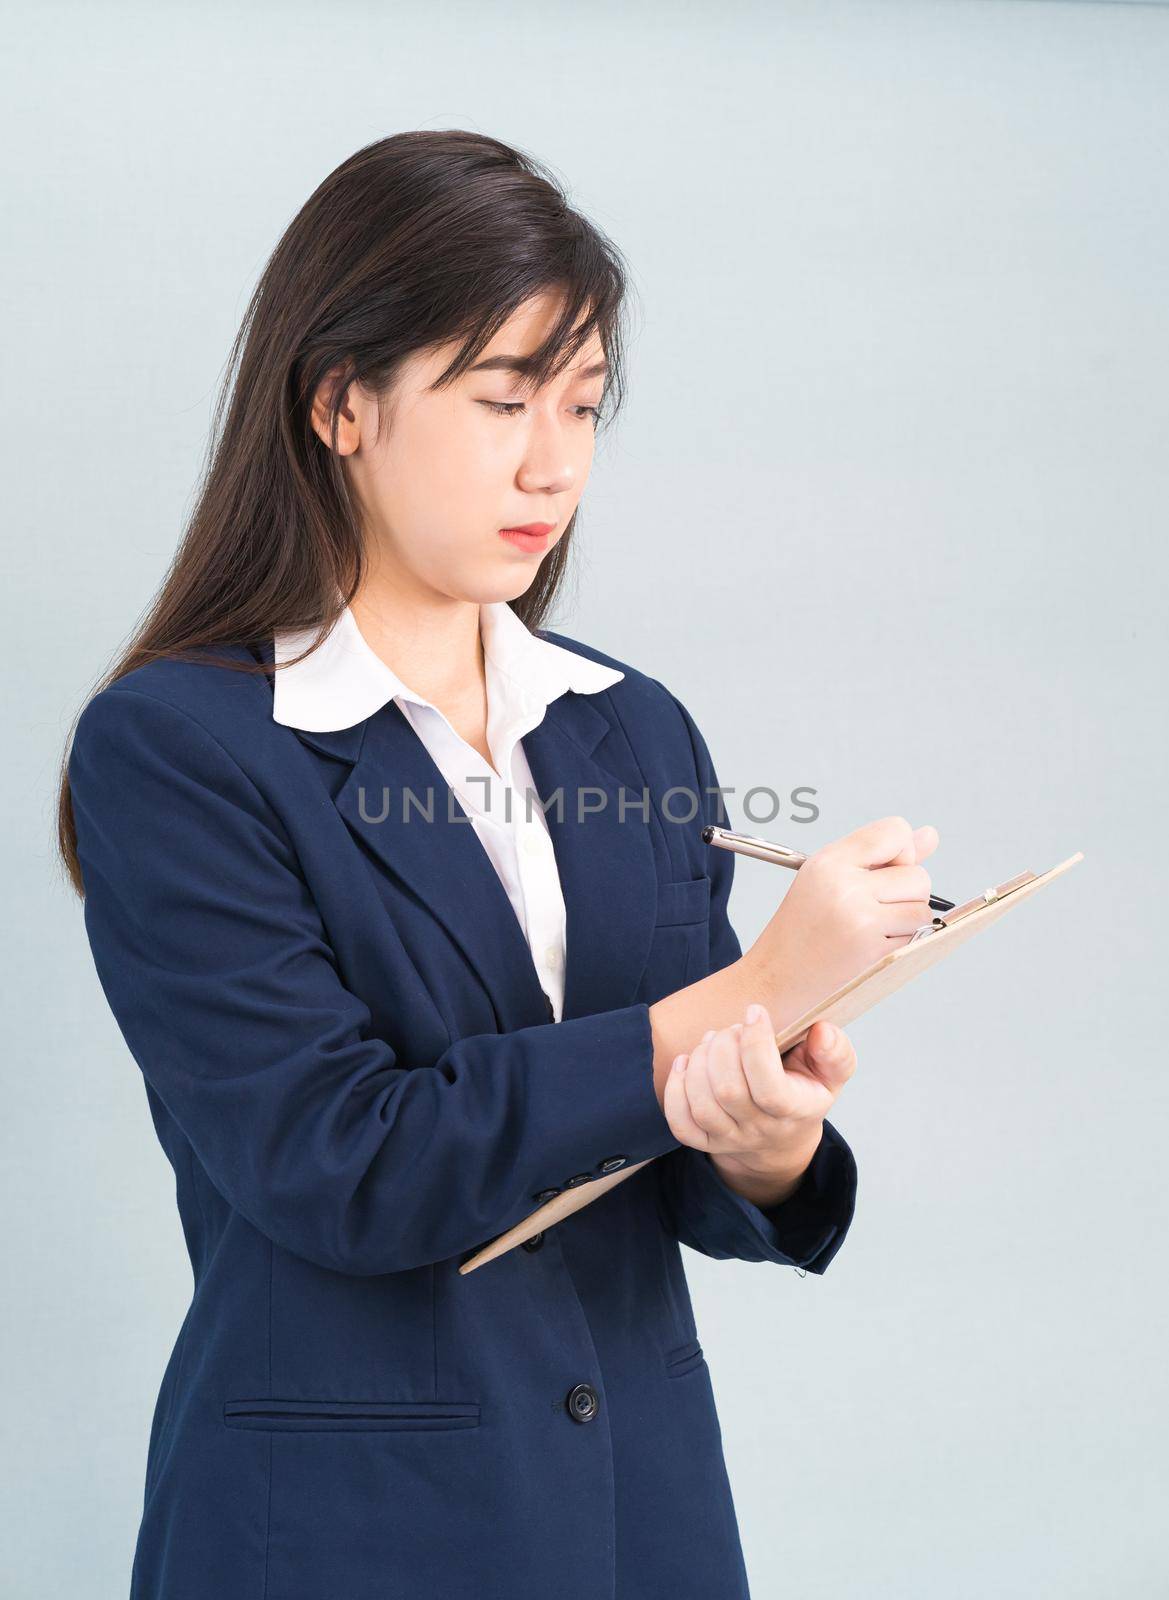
[350,1066]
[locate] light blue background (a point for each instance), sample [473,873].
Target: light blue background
[886,510]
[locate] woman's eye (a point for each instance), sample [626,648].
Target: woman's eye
[508,408]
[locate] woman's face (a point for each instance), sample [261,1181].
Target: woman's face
[454,466]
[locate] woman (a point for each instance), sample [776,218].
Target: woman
[373,1038]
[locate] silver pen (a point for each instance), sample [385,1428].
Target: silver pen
[744,844]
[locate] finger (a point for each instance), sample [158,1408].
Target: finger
[762,1064]
[726,1077]
[676,1106]
[904,917]
[926,839]
[891,884]
[705,1107]
[886,841]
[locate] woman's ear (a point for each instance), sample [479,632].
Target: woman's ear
[348,418]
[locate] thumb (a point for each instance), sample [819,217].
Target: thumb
[827,1053]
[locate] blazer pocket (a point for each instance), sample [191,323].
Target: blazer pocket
[683,900]
[333,1416]
[683,1358]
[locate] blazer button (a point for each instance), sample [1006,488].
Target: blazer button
[582,1402]
[611,1163]
[533,1243]
[545,1194]
[581,1177]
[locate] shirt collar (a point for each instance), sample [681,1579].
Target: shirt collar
[344,680]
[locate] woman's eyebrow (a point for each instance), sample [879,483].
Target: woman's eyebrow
[519,365]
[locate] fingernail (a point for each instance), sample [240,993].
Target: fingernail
[679,1063]
[754,1012]
[831,1035]
[708,1036]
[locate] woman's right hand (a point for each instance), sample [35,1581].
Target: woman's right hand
[850,903]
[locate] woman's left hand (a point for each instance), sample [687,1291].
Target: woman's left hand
[738,1099]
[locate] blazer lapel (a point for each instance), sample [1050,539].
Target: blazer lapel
[606,865]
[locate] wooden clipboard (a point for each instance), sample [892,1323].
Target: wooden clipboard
[932,942]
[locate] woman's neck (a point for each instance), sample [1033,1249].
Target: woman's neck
[434,645]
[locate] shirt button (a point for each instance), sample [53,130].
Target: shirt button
[582,1402]
[552,955]
[531,846]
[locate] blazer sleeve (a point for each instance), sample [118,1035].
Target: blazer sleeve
[808,1228]
[212,954]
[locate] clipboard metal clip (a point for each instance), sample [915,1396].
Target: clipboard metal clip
[986,898]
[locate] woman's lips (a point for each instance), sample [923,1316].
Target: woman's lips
[524,540]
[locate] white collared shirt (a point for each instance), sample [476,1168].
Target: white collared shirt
[344,681]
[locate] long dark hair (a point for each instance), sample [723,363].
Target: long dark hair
[414,241]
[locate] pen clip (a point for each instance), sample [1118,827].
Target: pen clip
[746,844]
